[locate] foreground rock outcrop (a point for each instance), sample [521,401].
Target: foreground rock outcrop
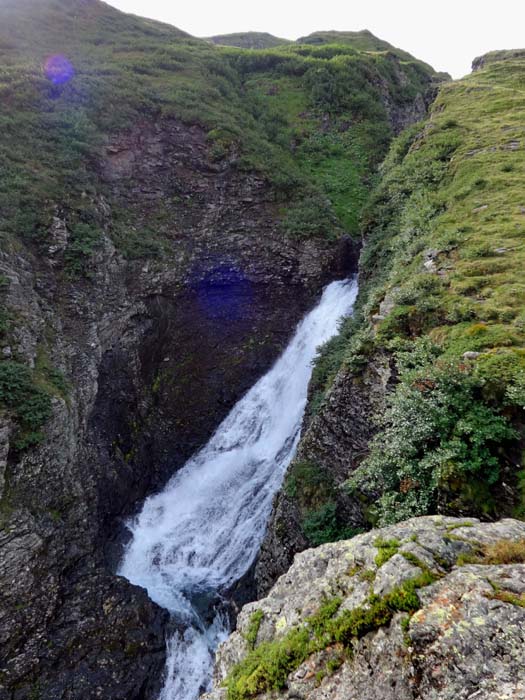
[461,636]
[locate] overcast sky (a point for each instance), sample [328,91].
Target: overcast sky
[447,34]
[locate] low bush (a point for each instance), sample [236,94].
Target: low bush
[21,397]
[437,431]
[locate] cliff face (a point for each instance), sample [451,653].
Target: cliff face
[429,608]
[417,407]
[156,353]
[168,215]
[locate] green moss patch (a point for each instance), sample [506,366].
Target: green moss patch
[267,667]
[387,549]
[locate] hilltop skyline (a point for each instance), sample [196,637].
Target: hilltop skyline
[448,39]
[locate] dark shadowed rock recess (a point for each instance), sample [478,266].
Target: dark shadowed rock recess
[157,353]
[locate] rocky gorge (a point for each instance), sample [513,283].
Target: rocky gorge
[169,211]
[151,329]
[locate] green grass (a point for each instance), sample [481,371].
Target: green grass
[445,232]
[309,119]
[253,628]
[386,550]
[248,40]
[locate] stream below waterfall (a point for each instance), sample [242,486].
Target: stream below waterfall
[199,536]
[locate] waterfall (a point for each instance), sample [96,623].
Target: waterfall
[203,531]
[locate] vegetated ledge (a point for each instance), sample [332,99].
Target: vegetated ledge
[438,334]
[496,57]
[427,608]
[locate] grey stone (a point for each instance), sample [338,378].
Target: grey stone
[467,640]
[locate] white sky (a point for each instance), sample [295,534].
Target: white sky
[448,34]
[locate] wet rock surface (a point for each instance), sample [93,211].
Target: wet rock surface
[467,639]
[155,352]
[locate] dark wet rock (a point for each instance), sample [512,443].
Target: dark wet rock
[155,353]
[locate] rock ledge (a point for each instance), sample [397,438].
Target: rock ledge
[466,640]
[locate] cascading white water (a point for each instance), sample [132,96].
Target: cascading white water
[201,534]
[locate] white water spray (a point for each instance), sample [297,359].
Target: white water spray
[202,533]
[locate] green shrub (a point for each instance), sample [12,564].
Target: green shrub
[312,217]
[437,431]
[314,491]
[83,242]
[323,525]
[30,405]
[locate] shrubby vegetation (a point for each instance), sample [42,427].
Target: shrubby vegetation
[442,293]
[316,496]
[439,432]
[30,404]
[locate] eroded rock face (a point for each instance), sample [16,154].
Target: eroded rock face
[155,353]
[467,640]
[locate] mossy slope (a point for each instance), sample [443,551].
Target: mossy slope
[443,292]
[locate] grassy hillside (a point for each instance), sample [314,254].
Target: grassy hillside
[268,107]
[363,40]
[326,106]
[444,293]
[248,40]
[312,120]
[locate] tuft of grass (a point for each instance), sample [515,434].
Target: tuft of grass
[501,552]
[253,628]
[505,552]
[387,549]
[507,597]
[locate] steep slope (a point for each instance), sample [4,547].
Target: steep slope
[436,350]
[432,608]
[167,216]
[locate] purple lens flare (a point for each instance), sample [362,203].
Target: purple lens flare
[58,69]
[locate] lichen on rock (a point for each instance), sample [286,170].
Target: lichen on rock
[440,629]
